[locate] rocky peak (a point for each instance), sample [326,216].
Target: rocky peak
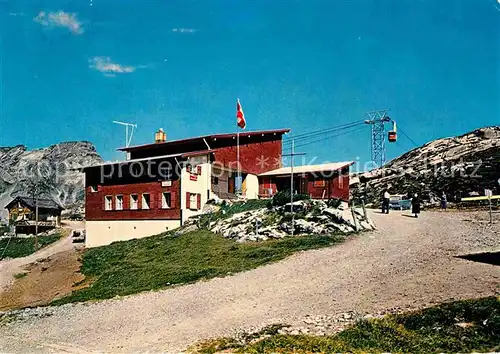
[59,161]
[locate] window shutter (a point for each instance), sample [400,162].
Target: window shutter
[172,200]
[198,201]
[160,201]
[187,200]
[198,169]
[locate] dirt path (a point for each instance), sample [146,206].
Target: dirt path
[407,263]
[43,281]
[11,267]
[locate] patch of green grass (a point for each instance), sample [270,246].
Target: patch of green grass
[241,207]
[270,219]
[8,317]
[3,229]
[21,247]
[20,275]
[461,326]
[129,267]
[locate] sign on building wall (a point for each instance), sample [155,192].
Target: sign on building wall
[198,160]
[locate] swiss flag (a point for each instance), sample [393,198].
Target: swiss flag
[240,116]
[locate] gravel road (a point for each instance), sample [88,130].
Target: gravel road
[407,263]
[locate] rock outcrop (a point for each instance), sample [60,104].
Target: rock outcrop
[312,217]
[459,166]
[59,163]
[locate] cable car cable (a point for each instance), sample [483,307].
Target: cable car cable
[321,132]
[329,137]
[406,135]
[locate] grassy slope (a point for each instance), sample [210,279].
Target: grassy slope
[22,247]
[129,267]
[431,330]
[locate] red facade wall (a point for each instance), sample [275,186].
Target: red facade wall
[255,158]
[94,202]
[266,183]
[335,187]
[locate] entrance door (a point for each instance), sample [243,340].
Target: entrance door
[303,186]
[231,184]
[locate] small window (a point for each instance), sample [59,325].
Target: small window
[166,201]
[146,201]
[198,170]
[188,168]
[319,183]
[108,202]
[94,188]
[119,202]
[215,180]
[193,201]
[134,202]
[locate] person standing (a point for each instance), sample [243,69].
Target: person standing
[415,205]
[444,201]
[385,202]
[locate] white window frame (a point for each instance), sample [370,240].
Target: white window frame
[108,202]
[193,201]
[119,202]
[134,204]
[144,205]
[164,203]
[94,188]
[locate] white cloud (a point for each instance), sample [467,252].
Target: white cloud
[60,19]
[108,67]
[15,14]
[184,30]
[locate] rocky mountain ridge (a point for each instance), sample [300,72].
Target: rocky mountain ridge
[58,162]
[459,166]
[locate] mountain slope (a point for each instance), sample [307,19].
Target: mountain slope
[56,162]
[457,166]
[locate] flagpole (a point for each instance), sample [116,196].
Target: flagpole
[238,191]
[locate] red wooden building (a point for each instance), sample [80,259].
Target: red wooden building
[325,181]
[162,184]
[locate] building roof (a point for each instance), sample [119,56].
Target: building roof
[204,137]
[327,167]
[43,203]
[124,162]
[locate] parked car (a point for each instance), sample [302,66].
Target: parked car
[78,235]
[75,217]
[398,202]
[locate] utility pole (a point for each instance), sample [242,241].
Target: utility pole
[377,120]
[36,223]
[291,182]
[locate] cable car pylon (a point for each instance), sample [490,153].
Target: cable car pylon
[377,120]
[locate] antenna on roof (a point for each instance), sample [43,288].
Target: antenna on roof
[128,139]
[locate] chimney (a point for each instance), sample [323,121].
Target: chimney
[160,136]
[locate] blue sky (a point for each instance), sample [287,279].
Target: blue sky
[69,68]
